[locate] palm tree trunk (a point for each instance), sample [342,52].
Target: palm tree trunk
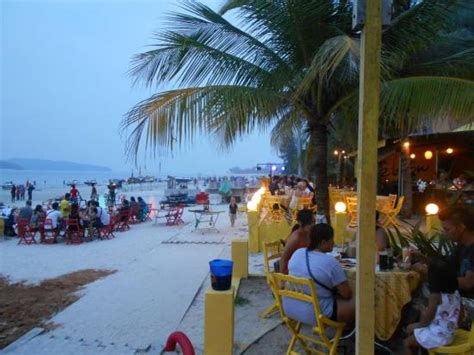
[319,141]
[407,208]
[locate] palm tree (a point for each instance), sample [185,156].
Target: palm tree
[290,63]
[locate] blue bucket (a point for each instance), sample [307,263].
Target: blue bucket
[221,274]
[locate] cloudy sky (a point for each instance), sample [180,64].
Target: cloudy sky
[64,85]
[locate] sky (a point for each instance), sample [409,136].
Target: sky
[65,88]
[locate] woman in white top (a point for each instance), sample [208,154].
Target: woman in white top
[440,319]
[332,287]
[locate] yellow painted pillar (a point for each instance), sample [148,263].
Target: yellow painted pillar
[433,224]
[340,224]
[2,226]
[369,102]
[219,322]
[240,252]
[252,218]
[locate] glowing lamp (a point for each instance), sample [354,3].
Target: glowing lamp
[406,145]
[431,209]
[336,152]
[428,154]
[449,150]
[282,168]
[412,155]
[340,207]
[274,167]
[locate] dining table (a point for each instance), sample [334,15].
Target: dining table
[205,220]
[393,290]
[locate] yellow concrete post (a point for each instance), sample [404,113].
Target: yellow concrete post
[219,322]
[433,224]
[369,102]
[340,224]
[240,257]
[2,226]
[252,218]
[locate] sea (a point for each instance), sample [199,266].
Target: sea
[58,178]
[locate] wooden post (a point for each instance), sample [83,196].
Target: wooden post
[369,102]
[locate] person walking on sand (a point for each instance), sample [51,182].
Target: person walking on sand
[233,211]
[13,192]
[74,193]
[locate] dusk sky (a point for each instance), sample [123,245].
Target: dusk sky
[65,87]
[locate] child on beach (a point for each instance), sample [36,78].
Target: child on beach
[233,211]
[440,319]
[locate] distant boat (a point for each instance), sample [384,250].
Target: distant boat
[7,185]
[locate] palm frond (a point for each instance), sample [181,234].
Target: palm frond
[174,117]
[287,127]
[410,101]
[341,54]
[416,29]
[204,49]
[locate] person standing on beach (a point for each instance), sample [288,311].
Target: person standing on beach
[233,211]
[64,206]
[30,191]
[74,193]
[94,195]
[13,192]
[17,192]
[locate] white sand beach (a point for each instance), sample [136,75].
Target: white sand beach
[160,271]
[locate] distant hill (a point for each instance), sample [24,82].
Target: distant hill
[8,165]
[238,170]
[42,164]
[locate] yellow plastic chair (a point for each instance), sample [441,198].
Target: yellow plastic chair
[393,200]
[301,204]
[275,210]
[352,209]
[297,288]
[463,344]
[390,217]
[272,251]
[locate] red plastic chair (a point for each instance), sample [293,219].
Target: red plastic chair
[107,231]
[25,233]
[134,214]
[74,233]
[124,220]
[47,232]
[173,217]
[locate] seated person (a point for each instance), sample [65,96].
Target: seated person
[26,212]
[123,210]
[55,216]
[274,186]
[102,213]
[143,209]
[301,190]
[9,229]
[332,287]
[38,216]
[441,318]
[74,215]
[298,239]
[64,206]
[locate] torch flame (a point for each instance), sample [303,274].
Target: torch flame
[252,205]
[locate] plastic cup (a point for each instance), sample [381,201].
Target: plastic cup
[221,274]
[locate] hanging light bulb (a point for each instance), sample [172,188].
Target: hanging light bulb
[428,154]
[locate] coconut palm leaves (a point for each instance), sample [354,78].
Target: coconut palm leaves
[294,63]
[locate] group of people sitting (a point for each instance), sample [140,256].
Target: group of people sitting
[450,278]
[90,217]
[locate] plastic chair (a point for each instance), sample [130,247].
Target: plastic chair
[352,209]
[272,251]
[74,234]
[107,231]
[173,217]
[202,198]
[25,233]
[124,220]
[297,288]
[147,217]
[276,211]
[390,217]
[463,344]
[47,232]
[134,214]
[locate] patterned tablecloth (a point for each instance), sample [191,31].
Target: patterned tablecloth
[392,291]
